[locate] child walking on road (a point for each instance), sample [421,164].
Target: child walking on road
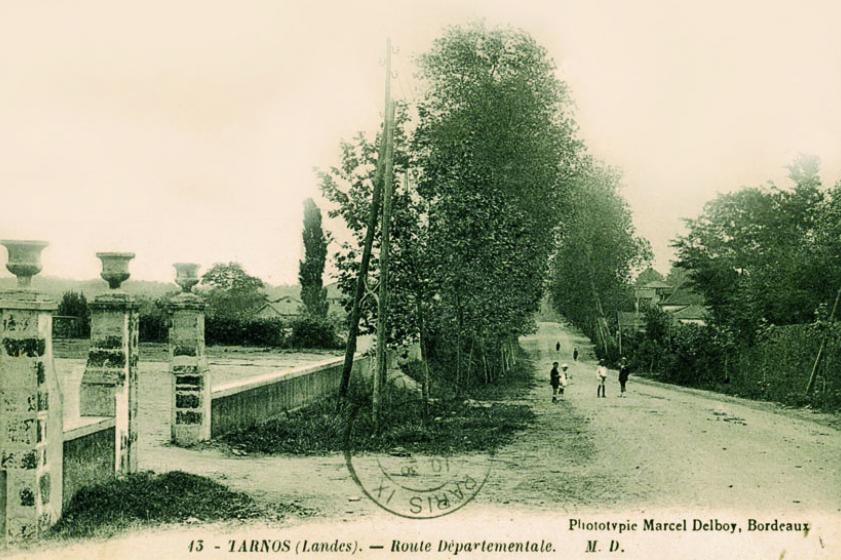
[601,377]
[563,380]
[555,381]
[624,372]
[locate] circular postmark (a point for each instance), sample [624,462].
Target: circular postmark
[415,485]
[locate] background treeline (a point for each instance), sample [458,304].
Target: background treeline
[233,297]
[768,262]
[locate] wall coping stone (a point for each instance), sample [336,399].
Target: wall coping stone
[235,387]
[26,299]
[116,300]
[86,425]
[187,300]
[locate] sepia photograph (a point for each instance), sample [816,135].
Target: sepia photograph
[465,279]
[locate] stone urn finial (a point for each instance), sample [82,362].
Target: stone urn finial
[186,276]
[24,259]
[115,268]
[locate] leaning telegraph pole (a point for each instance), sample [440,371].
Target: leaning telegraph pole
[382,301]
[373,214]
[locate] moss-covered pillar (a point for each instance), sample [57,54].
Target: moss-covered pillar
[109,384]
[188,362]
[31,438]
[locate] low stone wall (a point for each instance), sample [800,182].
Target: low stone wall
[243,404]
[89,451]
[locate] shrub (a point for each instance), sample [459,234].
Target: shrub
[154,319]
[146,498]
[75,316]
[244,331]
[309,331]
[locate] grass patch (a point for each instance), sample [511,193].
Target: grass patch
[146,498]
[478,421]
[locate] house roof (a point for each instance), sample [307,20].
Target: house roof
[282,299]
[683,294]
[693,311]
[658,285]
[267,306]
[277,308]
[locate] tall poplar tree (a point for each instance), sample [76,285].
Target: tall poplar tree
[311,269]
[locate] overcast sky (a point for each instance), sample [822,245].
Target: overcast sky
[189,130]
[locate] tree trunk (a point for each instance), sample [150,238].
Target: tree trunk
[460,324]
[469,361]
[601,322]
[362,277]
[424,357]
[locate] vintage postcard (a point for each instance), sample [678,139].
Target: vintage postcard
[420,279]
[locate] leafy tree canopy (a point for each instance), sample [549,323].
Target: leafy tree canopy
[490,164]
[766,254]
[230,276]
[233,292]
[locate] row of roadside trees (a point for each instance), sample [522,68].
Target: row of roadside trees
[491,181]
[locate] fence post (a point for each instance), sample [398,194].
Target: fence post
[31,424]
[190,417]
[109,384]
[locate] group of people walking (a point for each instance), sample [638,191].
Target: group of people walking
[559,378]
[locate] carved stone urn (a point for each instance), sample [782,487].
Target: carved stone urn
[186,276]
[115,268]
[24,259]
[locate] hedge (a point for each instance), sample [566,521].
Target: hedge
[313,332]
[245,332]
[775,368]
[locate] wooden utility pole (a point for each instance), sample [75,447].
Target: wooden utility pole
[373,214]
[382,302]
[814,374]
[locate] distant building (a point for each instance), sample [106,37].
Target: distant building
[651,294]
[286,307]
[684,305]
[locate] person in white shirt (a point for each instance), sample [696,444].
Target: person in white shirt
[601,377]
[564,379]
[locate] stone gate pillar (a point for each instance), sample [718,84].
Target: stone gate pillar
[190,417]
[31,425]
[109,384]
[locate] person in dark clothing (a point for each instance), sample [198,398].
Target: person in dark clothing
[555,381]
[557,347]
[575,354]
[624,372]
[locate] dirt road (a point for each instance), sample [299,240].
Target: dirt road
[661,447]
